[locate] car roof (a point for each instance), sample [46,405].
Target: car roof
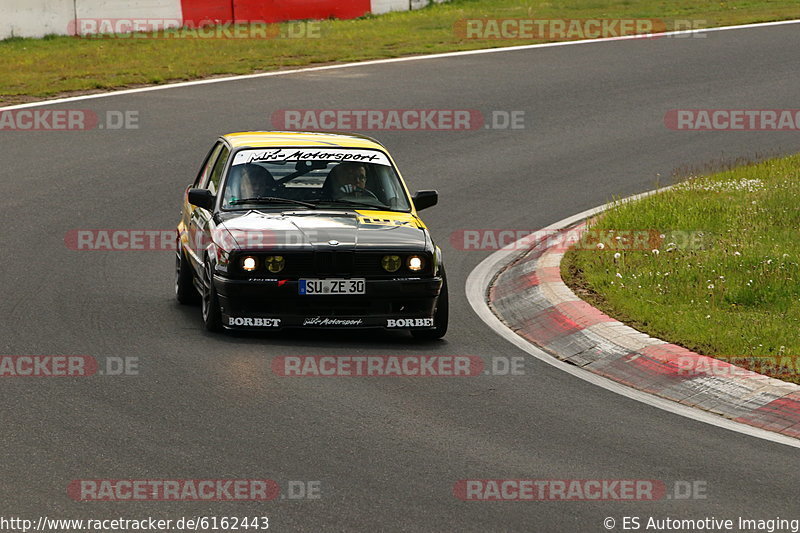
[269,139]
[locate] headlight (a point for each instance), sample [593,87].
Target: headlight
[249,263]
[391,263]
[275,263]
[415,263]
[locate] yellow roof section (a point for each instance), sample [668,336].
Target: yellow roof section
[269,139]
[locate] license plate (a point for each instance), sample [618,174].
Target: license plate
[332,286]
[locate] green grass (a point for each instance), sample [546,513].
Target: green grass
[38,68]
[739,294]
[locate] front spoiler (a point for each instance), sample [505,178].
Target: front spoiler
[319,322]
[271,305]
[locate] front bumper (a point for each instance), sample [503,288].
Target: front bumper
[271,304]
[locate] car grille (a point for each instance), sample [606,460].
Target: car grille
[334,263]
[328,264]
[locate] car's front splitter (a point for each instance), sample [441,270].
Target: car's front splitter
[325,322]
[276,304]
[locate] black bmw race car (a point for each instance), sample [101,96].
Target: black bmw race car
[308,230]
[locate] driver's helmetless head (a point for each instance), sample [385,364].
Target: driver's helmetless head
[254,181]
[351,174]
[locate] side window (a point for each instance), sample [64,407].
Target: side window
[216,173]
[202,177]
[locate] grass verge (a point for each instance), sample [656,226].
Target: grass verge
[33,69]
[736,295]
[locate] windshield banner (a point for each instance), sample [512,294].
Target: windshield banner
[339,155]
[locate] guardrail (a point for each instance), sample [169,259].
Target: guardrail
[36,18]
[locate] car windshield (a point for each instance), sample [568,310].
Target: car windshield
[308,178]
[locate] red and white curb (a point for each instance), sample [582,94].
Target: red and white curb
[526,294]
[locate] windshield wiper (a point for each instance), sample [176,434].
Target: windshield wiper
[380,207]
[271,200]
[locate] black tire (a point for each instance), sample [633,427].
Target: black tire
[185,291]
[212,316]
[441,316]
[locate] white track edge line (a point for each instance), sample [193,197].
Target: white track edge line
[480,51]
[477,283]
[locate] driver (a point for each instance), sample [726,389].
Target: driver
[249,181]
[254,181]
[351,178]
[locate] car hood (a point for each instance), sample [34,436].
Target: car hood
[362,230]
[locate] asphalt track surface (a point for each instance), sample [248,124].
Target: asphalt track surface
[386,451]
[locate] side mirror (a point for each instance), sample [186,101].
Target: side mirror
[202,198]
[424,199]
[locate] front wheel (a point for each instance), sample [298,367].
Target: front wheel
[212,316]
[441,316]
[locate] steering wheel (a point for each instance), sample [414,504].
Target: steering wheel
[365,193]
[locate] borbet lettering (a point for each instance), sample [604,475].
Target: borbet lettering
[255,322]
[409,322]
